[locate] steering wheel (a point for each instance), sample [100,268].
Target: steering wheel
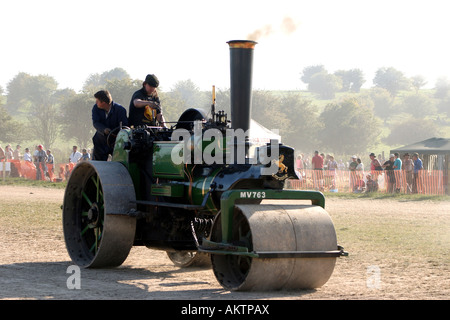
[111,138]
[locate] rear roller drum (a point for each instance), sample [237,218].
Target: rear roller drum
[276,228]
[97,231]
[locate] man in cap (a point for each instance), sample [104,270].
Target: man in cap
[145,104]
[375,166]
[352,166]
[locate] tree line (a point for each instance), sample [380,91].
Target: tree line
[395,111]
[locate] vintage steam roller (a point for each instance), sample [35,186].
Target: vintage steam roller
[196,191]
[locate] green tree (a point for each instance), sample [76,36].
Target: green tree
[392,80]
[303,120]
[76,117]
[173,106]
[442,87]
[184,95]
[10,129]
[188,91]
[34,97]
[310,71]
[2,97]
[443,106]
[382,101]
[418,82]
[295,118]
[412,130]
[352,80]
[98,81]
[325,85]
[122,90]
[266,110]
[44,109]
[418,105]
[18,88]
[348,127]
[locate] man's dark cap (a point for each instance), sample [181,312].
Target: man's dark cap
[152,80]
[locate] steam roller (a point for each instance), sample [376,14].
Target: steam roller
[202,192]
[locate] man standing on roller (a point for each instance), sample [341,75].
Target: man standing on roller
[145,105]
[106,116]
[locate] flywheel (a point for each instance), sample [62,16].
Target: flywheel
[97,230]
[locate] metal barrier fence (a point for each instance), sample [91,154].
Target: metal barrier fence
[430,182]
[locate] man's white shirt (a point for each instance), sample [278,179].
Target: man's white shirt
[75,156]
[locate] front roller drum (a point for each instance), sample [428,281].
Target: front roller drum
[276,229]
[97,231]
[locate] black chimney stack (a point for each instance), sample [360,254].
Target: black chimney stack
[241,62]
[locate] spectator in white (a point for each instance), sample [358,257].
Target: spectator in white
[27,156]
[360,167]
[75,155]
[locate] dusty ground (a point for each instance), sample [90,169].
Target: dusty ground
[34,261]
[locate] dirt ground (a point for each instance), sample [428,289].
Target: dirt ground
[34,263]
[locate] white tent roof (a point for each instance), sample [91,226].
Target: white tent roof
[260,135]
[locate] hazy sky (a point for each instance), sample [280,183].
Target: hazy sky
[180,40]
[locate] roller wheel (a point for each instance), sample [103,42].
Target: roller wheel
[276,228]
[96,230]
[185,259]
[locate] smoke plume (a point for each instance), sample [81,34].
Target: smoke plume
[287,27]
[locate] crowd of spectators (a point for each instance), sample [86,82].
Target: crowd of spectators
[41,161]
[398,172]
